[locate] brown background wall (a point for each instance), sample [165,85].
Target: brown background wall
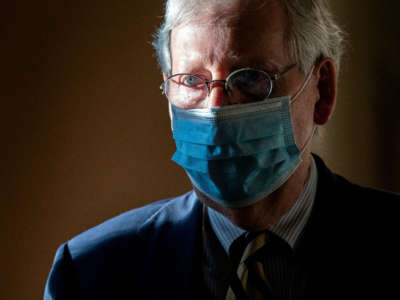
[85,132]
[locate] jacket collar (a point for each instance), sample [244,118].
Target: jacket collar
[173,244]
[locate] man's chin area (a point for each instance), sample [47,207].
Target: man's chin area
[255,217]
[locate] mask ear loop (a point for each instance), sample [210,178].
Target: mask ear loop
[295,97]
[309,139]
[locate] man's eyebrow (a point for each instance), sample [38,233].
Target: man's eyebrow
[267,66]
[238,60]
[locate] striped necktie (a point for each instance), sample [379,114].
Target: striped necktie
[250,281]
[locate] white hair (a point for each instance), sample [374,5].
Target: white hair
[312,32]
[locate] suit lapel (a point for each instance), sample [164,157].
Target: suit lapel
[175,250]
[320,246]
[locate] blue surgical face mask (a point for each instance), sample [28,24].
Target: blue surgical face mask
[237,155]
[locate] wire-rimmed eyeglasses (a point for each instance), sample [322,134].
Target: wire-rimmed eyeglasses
[188,91]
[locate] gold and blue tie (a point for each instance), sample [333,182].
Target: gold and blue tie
[250,281]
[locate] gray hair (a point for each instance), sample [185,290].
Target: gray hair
[312,32]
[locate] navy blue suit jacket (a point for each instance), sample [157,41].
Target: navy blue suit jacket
[350,247]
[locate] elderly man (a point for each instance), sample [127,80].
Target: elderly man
[248,82]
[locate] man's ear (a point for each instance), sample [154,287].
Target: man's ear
[325,105]
[165,77]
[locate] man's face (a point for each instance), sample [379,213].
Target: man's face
[253,38]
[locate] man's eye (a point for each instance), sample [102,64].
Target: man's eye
[191,80]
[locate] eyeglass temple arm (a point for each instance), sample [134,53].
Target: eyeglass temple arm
[279,75]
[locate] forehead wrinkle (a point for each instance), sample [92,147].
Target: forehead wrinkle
[225,53]
[221,52]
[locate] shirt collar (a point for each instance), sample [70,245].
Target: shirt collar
[288,227]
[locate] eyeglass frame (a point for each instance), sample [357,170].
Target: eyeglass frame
[272,78]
